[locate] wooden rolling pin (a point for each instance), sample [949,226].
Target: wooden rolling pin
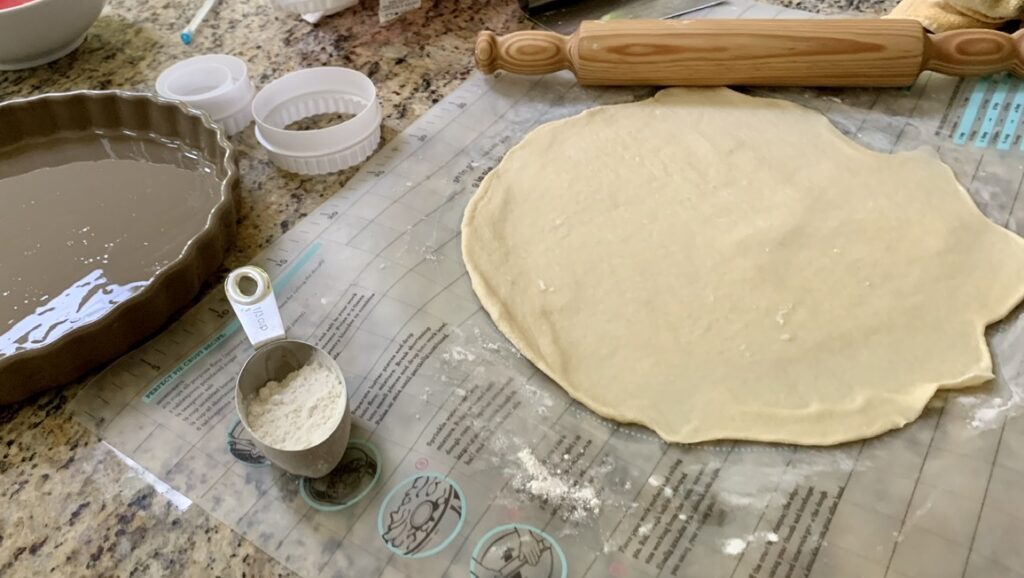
[880,52]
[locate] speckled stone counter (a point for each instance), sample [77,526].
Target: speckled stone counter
[72,505]
[863,8]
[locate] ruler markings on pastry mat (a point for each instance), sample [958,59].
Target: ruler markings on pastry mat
[1012,120]
[986,113]
[385,291]
[993,112]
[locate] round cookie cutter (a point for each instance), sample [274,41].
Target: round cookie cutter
[252,297]
[218,84]
[325,7]
[309,92]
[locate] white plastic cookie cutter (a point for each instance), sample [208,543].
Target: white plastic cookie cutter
[252,297]
[215,83]
[309,92]
[313,10]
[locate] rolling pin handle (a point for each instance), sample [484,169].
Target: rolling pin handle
[528,52]
[486,52]
[974,52]
[1018,43]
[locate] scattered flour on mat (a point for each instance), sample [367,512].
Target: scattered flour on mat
[736,546]
[737,500]
[645,529]
[300,411]
[1005,399]
[456,353]
[656,481]
[576,502]
[990,413]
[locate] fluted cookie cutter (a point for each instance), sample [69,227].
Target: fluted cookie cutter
[252,297]
[312,91]
[313,10]
[215,83]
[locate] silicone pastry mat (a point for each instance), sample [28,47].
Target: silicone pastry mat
[471,462]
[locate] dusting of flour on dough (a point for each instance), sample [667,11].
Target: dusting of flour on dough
[299,411]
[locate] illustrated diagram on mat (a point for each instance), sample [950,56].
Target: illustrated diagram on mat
[517,551]
[347,483]
[242,448]
[421,515]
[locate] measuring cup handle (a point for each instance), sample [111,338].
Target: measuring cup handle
[255,308]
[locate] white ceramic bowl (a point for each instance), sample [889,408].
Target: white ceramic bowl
[44,30]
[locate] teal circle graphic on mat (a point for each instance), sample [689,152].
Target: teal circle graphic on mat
[350,481]
[421,515]
[518,550]
[242,448]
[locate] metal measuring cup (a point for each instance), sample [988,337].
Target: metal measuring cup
[252,297]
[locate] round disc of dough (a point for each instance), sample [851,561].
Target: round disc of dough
[719,266]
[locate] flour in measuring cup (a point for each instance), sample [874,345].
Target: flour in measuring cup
[299,411]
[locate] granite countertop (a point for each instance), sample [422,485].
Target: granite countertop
[73,505]
[865,8]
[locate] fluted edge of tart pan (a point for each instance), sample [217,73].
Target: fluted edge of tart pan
[175,284]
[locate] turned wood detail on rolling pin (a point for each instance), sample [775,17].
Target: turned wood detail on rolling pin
[974,52]
[881,52]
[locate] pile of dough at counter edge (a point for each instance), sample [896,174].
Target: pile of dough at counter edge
[718,266]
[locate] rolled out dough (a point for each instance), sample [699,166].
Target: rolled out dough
[719,266]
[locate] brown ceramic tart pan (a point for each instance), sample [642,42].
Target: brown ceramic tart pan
[54,133]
